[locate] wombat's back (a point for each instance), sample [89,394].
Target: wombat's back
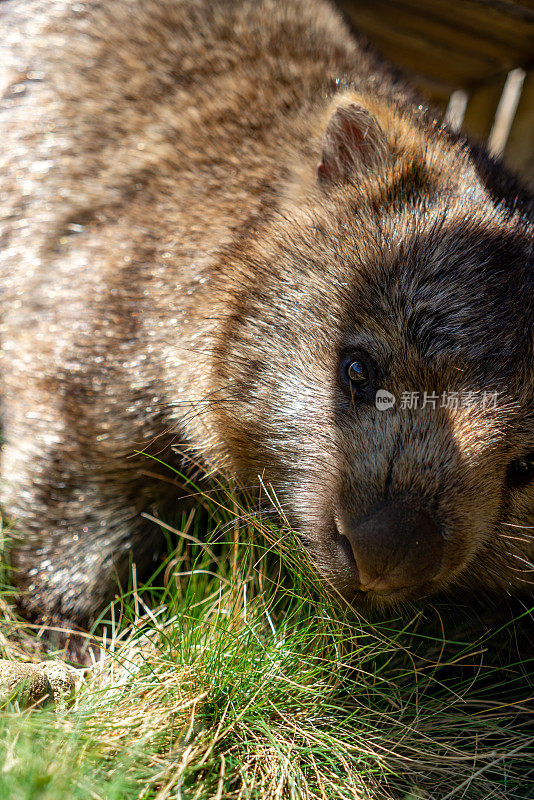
[127,126]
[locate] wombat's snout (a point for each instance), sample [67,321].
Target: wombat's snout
[397,547]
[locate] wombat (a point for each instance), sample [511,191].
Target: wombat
[229,228]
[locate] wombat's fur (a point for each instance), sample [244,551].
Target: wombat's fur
[210,209]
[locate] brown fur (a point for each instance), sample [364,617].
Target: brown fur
[174,272]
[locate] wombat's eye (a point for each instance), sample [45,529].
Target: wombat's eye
[357,375]
[521,471]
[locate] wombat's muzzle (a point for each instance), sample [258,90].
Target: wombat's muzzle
[397,547]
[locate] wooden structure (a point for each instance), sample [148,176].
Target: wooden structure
[465,49]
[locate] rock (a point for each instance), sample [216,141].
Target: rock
[62,679]
[36,684]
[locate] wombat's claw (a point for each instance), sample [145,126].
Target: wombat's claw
[36,684]
[72,645]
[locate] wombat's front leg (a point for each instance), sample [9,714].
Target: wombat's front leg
[73,563]
[69,570]
[76,516]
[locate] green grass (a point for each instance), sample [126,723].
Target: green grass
[233,675]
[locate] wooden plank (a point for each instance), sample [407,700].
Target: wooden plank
[481,108]
[455,43]
[519,151]
[445,45]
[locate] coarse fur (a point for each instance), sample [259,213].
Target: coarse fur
[177,272]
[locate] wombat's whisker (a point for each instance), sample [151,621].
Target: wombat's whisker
[516,525]
[524,560]
[516,538]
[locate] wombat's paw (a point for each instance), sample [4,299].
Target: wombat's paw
[69,641]
[36,684]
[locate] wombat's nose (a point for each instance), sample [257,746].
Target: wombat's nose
[397,547]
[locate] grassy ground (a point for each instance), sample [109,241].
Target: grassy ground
[232,675]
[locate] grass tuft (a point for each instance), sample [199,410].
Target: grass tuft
[233,675]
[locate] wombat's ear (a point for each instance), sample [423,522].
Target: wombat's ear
[353,143]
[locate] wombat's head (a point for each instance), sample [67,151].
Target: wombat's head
[379,365]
